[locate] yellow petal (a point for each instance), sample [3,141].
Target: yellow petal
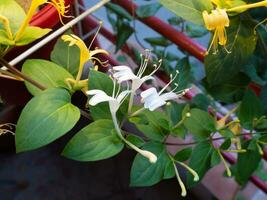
[34,5]
[6,24]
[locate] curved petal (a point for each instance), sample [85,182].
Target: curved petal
[156,103]
[148,92]
[146,78]
[99,96]
[98,51]
[122,68]
[93,92]
[169,96]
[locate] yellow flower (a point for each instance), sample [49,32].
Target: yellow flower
[85,54]
[59,5]
[221,123]
[217,21]
[61,8]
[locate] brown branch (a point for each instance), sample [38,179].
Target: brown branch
[20,74]
[30,80]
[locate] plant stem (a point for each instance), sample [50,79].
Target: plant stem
[137,112]
[147,154]
[20,74]
[30,80]
[130,103]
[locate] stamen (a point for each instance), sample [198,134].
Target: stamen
[172,78]
[141,64]
[156,67]
[97,32]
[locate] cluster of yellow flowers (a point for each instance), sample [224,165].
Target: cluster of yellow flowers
[218,19]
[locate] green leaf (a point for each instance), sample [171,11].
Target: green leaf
[101,81]
[66,56]
[144,173]
[174,111]
[200,123]
[263,139]
[4,40]
[185,76]
[195,31]
[200,161]
[153,125]
[215,159]
[263,98]
[223,66]
[250,109]
[136,140]
[45,118]
[226,133]
[119,11]
[14,13]
[251,70]
[97,141]
[147,10]
[183,154]
[158,41]
[226,144]
[201,101]
[31,34]
[169,170]
[190,10]
[45,72]
[123,33]
[175,21]
[250,160]
[261,124]
[229,91]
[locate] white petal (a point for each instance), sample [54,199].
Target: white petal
[136,83]
[93,92]
[156,104]
[169,96]
[122,68]
[99,98]
[146,78]
[148,92]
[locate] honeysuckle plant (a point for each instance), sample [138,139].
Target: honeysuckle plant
[15,26]
[116,99]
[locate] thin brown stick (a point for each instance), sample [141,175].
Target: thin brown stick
[20,74]
[30,80]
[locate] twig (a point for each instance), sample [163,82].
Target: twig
[20,74]
[30,80]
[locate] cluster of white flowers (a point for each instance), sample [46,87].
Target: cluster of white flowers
[151,98]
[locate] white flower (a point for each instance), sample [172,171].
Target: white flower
[153,99]
[115,101]
[125,73]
